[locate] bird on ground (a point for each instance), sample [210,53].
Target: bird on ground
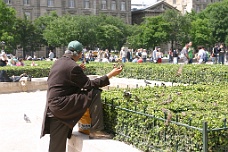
[26,118]
[169,118]
[155,84]
[179,71]
[147,82]
[168,100]
[163,84]
[137,99]
[127,94]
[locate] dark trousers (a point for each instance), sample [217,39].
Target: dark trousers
[4,77]
[59,131]
[221,59]
[58,135]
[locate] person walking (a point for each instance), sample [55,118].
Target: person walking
[175,56]
[190,53]
[221,51]
[70,92]
[51,55]
[170,55]
[215,54]
[154,55]
[184,54]
[201,55]
[123,54]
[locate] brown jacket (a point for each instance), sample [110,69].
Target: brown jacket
[69,93]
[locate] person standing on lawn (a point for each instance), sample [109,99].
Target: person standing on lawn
[70,92]
[190,53]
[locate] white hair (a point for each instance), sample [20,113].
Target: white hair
[69,52]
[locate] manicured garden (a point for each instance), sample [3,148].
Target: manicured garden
[190,117]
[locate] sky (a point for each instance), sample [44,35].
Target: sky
[147,2]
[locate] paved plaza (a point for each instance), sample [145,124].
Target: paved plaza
[16,134]
[19,136]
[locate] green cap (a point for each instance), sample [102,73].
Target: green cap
[75,46]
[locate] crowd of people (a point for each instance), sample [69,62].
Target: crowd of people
[202,55]
[188,55]
[124,55]
[12,61]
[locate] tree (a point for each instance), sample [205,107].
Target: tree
[7,18]
[85,29]
[218,19]
[135,39]
[178,27]
[118,23]
[40,25]
[108,36]
[154,31]
[201,33]
[25,35]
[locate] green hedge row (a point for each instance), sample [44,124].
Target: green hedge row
[189,105]
[191,74]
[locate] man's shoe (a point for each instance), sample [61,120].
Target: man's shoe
[100,135]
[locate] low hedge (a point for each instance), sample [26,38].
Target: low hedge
[191,74]
[151,118]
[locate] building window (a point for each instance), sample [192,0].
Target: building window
[86,3]
[71,3]
[174,1]
[28,15]
[123,6]
[113,5]
[26,2]
[104,4]
[197,9]
[8,1]
[50,3]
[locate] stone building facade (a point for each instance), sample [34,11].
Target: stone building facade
[153,10]
[189,5]
[35,8]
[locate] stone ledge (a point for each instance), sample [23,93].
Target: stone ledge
[41,84]
[81,143]
[24,86]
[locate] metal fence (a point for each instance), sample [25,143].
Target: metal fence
[150,133]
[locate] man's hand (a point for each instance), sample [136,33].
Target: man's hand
[116,71]
[82,65]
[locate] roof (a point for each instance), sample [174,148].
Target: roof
[155,5]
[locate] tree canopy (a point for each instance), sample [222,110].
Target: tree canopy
[7,19]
